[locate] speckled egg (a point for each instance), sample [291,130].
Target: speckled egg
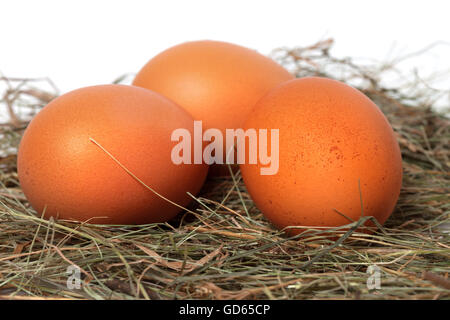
[338,156]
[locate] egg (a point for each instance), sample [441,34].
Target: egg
[103,154]
[338,158]
[216,82]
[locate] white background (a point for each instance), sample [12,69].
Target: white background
[81,43]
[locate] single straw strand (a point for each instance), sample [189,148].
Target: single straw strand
[136,178]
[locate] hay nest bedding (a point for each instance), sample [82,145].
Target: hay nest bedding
[226,249]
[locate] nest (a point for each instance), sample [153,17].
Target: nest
[224,248]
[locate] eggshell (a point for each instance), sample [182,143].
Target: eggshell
[336,149]
[64,174]
[216,82]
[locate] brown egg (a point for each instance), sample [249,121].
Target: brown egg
[337,153]
[66,157]
[216,82]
